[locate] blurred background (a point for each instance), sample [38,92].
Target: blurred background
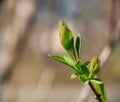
[29,31]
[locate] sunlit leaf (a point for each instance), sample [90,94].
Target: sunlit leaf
[70,61]
[66,36]
[58,58]
[66,59]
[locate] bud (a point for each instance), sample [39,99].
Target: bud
[66,36]
[95,65]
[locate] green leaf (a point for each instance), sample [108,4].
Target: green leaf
[78,66]
[96,80]
[71,53]
[102,91]
[66,59]
[84,70]
[67,39]
[58,58]
[66,36]
[74,75]
[84,79]
[70,61]
[78,45]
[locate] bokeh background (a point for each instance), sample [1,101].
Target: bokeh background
[29,31]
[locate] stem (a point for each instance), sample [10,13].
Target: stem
[98,96]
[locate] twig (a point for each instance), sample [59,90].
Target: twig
[98,96]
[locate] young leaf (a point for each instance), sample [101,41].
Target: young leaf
[67,39]
[94,66]
[66,59]
[71,52]
[84,70]
[74,75]
[101,90]
[66,36]
[70,61]
[78,45]
[60,59]
[84,79]
[78,66]
[96,80]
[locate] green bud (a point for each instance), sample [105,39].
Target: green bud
[66,36]
[95,65]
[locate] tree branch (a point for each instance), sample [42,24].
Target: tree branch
[98,96]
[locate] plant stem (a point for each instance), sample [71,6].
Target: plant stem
[98,96]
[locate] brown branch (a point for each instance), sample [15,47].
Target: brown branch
[98,96]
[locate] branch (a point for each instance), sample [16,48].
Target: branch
[98,96]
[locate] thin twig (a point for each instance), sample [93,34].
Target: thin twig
[98,96]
